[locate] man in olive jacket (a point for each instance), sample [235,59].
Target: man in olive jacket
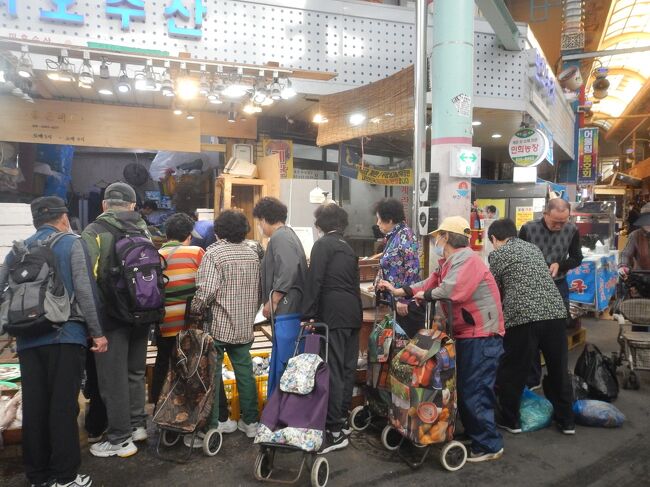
[120,371]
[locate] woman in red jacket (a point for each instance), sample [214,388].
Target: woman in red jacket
[463,278]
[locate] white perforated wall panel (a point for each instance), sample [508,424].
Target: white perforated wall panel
[497,73]
[359,49]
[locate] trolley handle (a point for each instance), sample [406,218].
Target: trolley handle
[307,329]
[431,305]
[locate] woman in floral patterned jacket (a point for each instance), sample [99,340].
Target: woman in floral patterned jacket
[400,262]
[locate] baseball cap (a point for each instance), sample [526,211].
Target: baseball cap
[121,192]
[454,224]
[48,205]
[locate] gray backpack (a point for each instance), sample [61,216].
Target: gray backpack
[36,300]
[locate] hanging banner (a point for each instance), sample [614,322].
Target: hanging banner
[587,155]
[350,166]
[284,150]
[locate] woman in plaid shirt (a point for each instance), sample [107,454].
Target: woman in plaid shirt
[227,292]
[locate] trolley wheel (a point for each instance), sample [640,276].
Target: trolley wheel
[320,472]
[360,418]
[169,438]
[453,456]
[263,465]
[212,442]
[391,438]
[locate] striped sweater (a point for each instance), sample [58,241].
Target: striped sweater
[182,264]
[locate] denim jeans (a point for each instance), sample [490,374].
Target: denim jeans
[477,361]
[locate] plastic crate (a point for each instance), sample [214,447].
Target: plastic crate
[232,395]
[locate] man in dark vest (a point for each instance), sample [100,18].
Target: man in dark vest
[559,241]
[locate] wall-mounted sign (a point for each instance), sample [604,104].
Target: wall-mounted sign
[465,162]
[528,147]
[587,155]
[184,17]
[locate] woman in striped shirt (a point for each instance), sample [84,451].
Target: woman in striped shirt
[183,262]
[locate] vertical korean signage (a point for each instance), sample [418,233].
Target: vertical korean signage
[587,155]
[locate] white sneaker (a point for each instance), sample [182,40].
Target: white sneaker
[139,434]
[198,440]
[80,481]
[107,449]
[226,427]
[249,429]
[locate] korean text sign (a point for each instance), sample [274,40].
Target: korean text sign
[587,155]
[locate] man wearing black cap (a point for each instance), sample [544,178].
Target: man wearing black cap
[51,362]
[121,371]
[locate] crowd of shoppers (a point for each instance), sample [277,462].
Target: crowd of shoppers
[502,315]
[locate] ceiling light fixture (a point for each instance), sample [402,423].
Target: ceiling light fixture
[25,67]
[186,87]
[104,72]
[105,88]
[204,85]
[61,69]
[288,91]
[232,115]
[146,79]
[275,89]
[123,81]
[178,111]
[319,118]
[86,75]
[496,136]
[357,118]
[167,85]
[476,123]
[190,116]
[261,94]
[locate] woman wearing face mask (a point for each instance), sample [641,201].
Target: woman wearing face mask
[399,263]
[463,278]
[636,255]
[535,318]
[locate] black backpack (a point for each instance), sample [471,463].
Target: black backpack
[36,300]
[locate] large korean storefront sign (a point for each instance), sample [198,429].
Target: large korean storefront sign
[587,155]
[183,18]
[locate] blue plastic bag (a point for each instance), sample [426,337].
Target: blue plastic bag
[535,411]
[598,413]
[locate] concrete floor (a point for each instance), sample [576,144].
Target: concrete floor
[594,457]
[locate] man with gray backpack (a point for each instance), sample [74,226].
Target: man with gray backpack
[129,273]
[48,301]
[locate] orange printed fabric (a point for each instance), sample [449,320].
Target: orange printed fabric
[182,264]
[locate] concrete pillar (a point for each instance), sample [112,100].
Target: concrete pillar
[452,93]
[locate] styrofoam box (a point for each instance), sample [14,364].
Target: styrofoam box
[15,214]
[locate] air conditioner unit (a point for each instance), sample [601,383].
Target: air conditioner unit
[428,187]
[240,168]
[427,219]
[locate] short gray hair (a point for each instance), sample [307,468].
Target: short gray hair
[557,204]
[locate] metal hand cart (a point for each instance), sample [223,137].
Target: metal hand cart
[633,316]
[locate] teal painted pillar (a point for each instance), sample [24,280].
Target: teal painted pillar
[452,71]
[452,99]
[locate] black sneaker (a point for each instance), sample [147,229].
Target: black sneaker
[514,428]
[567,428]
[333,442]
[346,429]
